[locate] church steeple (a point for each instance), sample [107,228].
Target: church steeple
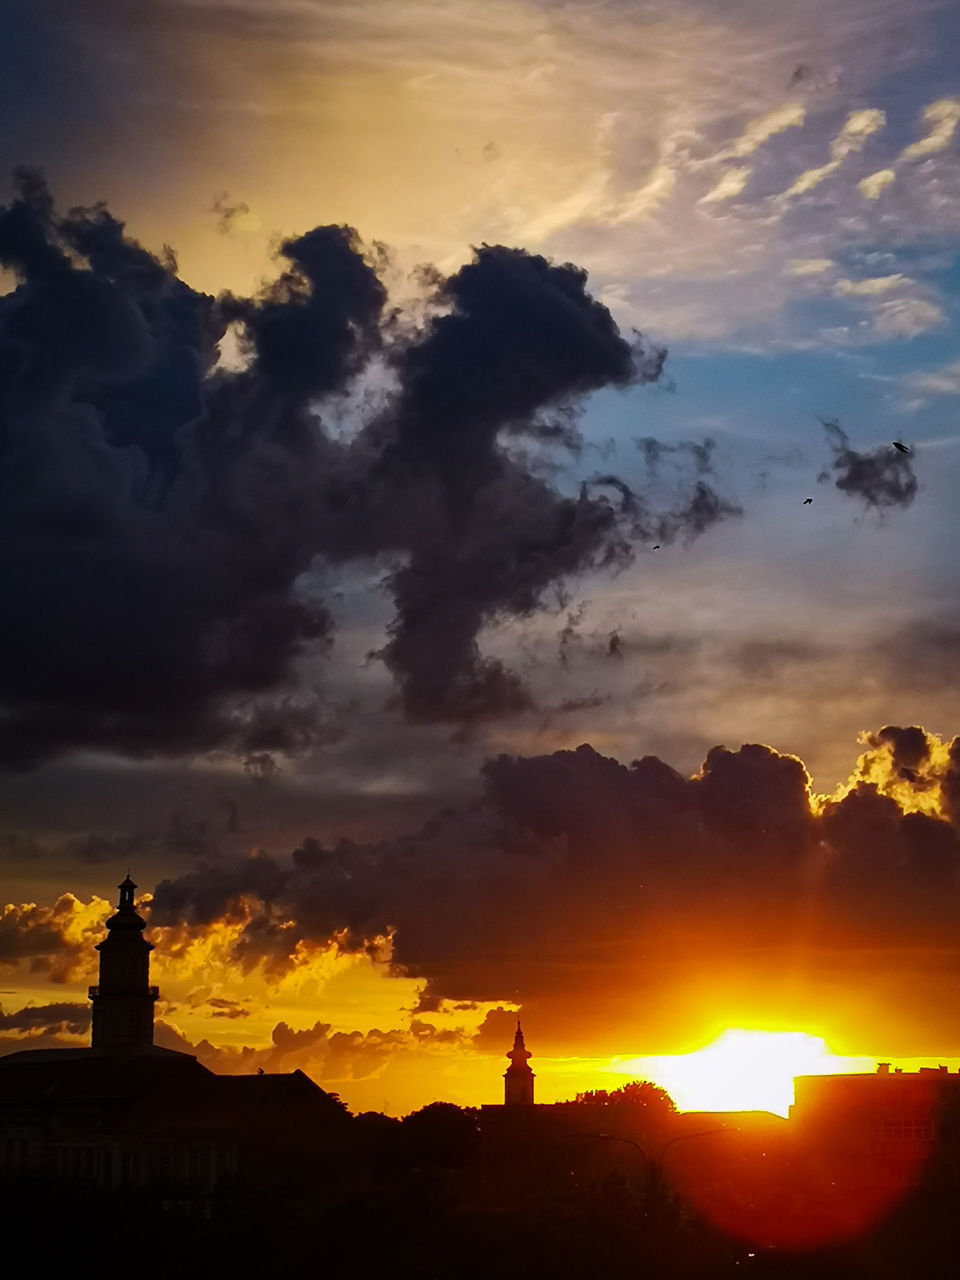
[518,1078]
[123,1001]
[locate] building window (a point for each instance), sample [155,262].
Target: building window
[907,1131]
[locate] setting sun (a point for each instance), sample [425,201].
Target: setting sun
[743,1070]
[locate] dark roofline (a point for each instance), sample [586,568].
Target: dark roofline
[21,1057]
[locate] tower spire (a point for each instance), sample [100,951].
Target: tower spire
[518,1078]
[123,1000]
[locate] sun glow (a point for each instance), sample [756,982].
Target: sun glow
[743,1070]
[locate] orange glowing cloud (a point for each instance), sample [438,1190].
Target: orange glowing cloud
[647,911]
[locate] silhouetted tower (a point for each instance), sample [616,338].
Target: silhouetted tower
[518,1078]
[123,1001]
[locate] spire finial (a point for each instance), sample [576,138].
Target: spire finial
[519,1053]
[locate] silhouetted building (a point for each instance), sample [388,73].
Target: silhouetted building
[126,1115]
[123,1000]
[901,1121]
[518,1078]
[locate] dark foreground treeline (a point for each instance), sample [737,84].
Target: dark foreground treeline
[450,1195]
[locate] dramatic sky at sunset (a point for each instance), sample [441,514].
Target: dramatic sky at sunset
[407,414]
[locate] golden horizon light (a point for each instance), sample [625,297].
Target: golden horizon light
[743,1069]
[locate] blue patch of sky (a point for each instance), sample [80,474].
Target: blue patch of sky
[751,402]
[933,262]
[925,351]
[947,274]
[44,86]
[905,92]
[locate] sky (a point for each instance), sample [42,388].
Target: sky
[454,549]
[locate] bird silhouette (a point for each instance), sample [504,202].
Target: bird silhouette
[807,501]
[657,547]
[902,447]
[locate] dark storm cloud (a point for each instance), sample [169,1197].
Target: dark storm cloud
[193,839]
[573,857]
[54,940]
[20,846]
[522,335]
[47,1026]
[315,327]
[929,768]
[156,511]
[589,702]
[699,451]
[896,866]
[106,846]
[206,895]
[909,749]
[27,932]
[695,513]
[882,479]
[223,1008]
[328,1055]
[138,587]
[521,338]
[60,1018]
[568,637]
[702,509]
[228,212]
[950,784]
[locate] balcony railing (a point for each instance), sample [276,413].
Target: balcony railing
[152,992]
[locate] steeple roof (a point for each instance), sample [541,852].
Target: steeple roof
[126,918]
[519,1054]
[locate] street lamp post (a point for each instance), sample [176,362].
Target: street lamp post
[701,1133]
[657,1164]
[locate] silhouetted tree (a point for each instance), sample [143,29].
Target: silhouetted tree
[638,1095]
[440,1135]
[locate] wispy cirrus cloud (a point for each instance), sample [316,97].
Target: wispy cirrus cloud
[857,128]
[875,183]
[731,184]
[809,266]
[942,118]
[923,385]
[869,287]
[789,116]
[906,317]
[649,147]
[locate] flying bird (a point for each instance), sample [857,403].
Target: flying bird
[657,547]
[902,447]
[807,501]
